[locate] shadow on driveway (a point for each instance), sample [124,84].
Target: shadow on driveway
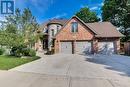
[117,63]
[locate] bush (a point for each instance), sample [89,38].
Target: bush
[29,52]
[2,51]
[25,51]
[22,51]
[17,50]
[32,53]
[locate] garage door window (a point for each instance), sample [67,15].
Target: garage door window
[74,28]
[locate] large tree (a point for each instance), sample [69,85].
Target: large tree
[118,13]
[19,28]
[87,16]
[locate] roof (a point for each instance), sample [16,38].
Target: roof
[53,21]
[58,21]
[104,29]
[100,29]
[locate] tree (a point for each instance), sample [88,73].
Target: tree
[87,16]
[30,26]
[18,29]
[118,13]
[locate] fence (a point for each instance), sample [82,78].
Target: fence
[127,48]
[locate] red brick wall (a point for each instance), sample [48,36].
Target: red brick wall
[66,35]
[82,34]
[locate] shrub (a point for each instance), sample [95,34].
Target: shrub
[2,51]
[32,53]
[17,50]
[22,51]
[25,51]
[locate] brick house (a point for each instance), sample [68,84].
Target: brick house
[75,36]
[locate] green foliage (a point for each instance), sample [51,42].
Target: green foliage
[19,28]
[10,39]
[87,16]
[32,53]
[22,50]
[2,51]
[118,13]
[18,51]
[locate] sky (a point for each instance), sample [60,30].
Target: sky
[44,10]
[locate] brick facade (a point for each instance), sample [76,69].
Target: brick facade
[83,34]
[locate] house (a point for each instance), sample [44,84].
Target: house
[76,37]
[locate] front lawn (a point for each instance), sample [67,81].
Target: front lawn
[8,62]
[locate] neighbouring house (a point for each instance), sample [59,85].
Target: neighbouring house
[76,37]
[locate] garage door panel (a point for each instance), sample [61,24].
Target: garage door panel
[83,47]
[66,47]
[106,47]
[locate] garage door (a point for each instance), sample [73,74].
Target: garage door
[66,47]
[83,47]
[106,47]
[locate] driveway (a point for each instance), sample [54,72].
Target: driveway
[81,71]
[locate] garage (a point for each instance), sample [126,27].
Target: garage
[66,47]
[83,47]
[106,47]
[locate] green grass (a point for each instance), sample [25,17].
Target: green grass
[8,62]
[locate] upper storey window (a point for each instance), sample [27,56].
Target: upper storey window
[52,31]
[74,27]
[58,28]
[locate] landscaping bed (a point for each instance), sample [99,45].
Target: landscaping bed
[8,62]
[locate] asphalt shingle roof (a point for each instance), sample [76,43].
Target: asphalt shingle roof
[104,29]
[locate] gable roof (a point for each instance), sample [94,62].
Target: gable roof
[100,29]
[70,20]
[104,29]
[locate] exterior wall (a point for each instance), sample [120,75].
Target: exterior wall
[95,46]
[39,46]
[127,48]
[65,34]
[56,30]
[117,43]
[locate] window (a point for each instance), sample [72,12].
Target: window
[52,31]
[74,27]
[58,27]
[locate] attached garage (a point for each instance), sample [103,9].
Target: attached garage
[79,37]
[106,48]
[66,47]
[78,47]
[83,47]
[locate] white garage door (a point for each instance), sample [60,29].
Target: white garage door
[66,47]
[106,47]
[83,47]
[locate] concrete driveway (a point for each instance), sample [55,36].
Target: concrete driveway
[79,71]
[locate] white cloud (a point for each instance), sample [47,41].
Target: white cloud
[2,18]
[101,4]
[82,6]
[39,5]
[59,15]
[94,8]
[42,5]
